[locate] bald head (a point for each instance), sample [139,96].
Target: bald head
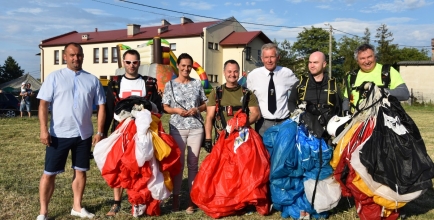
[317,63]
[318,55]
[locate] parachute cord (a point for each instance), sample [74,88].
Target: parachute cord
[319,171]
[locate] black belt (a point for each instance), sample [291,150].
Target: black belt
[277,119]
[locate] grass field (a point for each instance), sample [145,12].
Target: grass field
[22,163]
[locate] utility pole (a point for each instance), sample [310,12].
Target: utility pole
[330,48]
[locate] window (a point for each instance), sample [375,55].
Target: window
[210,45]
[63,58]
[105,55]
[212,78]
[259,60]
[259,56]
[56,57]
[216,46]
[95,55]
[248,53]
[114,55]
[173,47]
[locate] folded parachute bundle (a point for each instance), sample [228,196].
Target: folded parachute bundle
[373,163]
[140,157]
[301,180]
[235,174]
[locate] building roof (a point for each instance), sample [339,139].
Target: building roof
[416,63]
[16,83]
[243,38]
[174,31]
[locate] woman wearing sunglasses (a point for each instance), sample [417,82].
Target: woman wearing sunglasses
[184,98]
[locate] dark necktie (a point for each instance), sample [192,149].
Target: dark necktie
[272,106]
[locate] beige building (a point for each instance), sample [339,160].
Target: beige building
[417,76]
[210,44]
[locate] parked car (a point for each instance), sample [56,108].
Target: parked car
[9,105]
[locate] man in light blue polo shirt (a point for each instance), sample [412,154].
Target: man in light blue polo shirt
[71,93]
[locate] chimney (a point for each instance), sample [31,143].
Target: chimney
[133,29]
[96,29]
[185,20]
[84,37]
[163,29]
[164,22]
[432,49]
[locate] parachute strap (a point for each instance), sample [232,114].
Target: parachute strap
[301,88]
[150,85]
[246,99]
[385,80]
[219,119]
[115,87]
[385,76]
[331,91]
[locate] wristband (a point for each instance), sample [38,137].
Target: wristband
[100,134]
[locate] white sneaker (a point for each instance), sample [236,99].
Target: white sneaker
[139,210]
[83,214]
[41,217]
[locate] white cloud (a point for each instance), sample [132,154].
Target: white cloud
[324,6]
[44,3]
[33,11]
[197,5]
[396,20]
[271,11]
[294,1]
[237,4]
[95,11]
[228,3]
[397,6]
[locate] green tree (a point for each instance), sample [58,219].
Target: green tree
[347,46]
[10,70]
[288,57]
[411,54]
[366,39]
[385,48]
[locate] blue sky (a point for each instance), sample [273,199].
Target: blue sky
[24,23]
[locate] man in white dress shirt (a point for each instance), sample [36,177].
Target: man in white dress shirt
[258,81]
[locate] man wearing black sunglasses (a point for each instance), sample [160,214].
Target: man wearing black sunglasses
[121,87]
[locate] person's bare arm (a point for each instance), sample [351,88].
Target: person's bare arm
[43,121]
[210,113]
[100,126]
[254,114]
[171,110]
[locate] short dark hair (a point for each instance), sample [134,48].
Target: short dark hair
[231,62]
[131,52]
[362,48]
[184,56]
[73,44]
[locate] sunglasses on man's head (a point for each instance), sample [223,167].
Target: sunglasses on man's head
[135,62]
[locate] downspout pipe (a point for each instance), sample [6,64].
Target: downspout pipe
[203,50]
[242,60]
[42,63]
